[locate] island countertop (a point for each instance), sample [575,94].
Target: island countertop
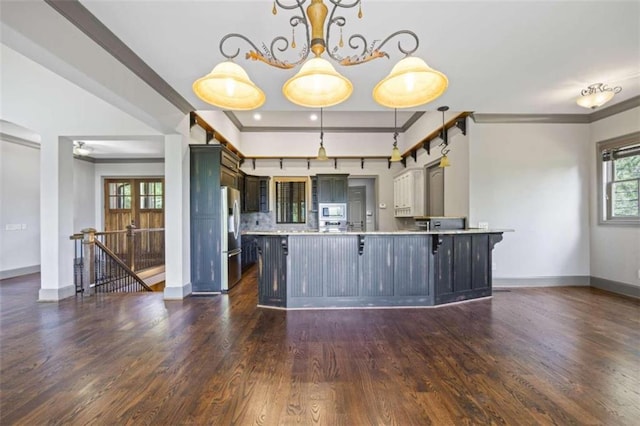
[401,232]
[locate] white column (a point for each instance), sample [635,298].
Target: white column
[56,218]
[176,217]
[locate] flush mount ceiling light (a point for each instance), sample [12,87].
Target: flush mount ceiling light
[81,150]
[411,82]
[597,95]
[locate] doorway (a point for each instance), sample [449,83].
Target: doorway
[362,202]
[357,210]
[435,189]
[133,200]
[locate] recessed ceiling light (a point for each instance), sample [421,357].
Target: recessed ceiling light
[313,117]
[257,116]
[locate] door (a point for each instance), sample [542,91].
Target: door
[140,202]
[357,209]
[435,191]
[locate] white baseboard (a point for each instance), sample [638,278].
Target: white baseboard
[561,281]
[10,273]
[56,294]
[177,293]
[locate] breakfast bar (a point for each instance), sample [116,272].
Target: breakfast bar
[305,270]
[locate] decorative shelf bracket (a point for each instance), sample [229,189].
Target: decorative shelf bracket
[427,146]
[461,123]
[210,136]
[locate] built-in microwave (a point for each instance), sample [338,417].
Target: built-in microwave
[332,211]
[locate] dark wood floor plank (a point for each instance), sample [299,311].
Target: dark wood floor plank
[526,356]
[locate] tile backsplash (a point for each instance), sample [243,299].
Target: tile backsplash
[267,222]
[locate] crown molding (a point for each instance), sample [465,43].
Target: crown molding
[232,117]
[531,118]
[118,160]
[127,160]
[19,141]
[615,109]
[559,118]
[300,129]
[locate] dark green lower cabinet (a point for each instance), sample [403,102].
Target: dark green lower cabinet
[249,251]
[376,275]
[361,270]
[463,267]
[272,271]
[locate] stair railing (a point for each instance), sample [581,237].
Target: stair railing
[99,269]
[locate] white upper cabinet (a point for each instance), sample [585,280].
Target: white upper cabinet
[408,193]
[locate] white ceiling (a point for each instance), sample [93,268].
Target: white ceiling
[500,56]
[505,57]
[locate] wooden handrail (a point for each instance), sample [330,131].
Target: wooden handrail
[78,236]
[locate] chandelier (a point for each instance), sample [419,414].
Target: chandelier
[410,83]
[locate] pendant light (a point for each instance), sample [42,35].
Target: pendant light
[322,153]
[444,160]
[395,152]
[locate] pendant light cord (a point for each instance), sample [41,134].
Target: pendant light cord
[321,132]
[395,127]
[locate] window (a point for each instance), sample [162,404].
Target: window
[619,174]
[291,200]
[151,195]
[119,195]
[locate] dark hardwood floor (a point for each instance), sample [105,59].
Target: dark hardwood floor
[527,356]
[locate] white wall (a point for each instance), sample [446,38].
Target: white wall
[373,168]
[84,208]
[19,205]
[306,144]
[533,178]
[615,250]
[111,170]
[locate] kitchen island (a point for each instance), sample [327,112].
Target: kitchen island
[373,269]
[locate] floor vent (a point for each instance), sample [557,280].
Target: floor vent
[501,290]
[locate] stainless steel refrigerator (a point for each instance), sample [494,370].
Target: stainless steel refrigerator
[231,246]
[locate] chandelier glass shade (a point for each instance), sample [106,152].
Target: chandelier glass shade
[411,82]
[228,86]
[317,84]
[597,95]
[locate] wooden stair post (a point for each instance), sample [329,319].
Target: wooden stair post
[88,261]
[131,246]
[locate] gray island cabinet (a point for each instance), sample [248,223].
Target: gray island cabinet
[375,269]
